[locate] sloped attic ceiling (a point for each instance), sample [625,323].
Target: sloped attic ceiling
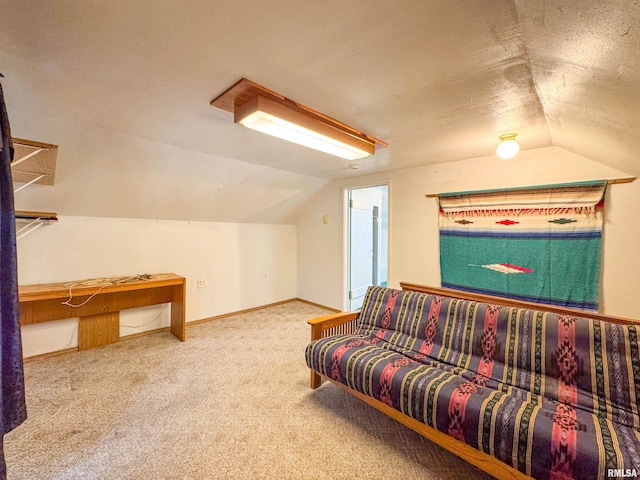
[438,80]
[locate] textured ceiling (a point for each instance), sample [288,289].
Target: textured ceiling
[438,80]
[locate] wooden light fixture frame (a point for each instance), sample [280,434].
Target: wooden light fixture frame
[244,95]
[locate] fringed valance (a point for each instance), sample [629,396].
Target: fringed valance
[546,200]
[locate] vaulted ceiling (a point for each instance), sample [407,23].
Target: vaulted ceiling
[439,80]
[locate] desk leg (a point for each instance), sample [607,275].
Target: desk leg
[97,330]
[178,313]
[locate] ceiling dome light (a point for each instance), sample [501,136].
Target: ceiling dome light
[508,147]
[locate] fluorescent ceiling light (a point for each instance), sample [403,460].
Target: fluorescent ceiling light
[508,147]
[276,119]
[263,110]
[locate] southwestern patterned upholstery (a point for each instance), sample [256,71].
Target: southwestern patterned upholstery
[552,396]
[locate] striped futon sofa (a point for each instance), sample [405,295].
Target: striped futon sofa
[521,392]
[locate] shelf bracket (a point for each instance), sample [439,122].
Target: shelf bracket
[34,221]
[29,183]
[33,158]
[32,226]
[26,157]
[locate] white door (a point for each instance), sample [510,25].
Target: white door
[368,234]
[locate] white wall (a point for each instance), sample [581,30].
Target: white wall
[414,250]
[232,257]
[100,173]
[225,220]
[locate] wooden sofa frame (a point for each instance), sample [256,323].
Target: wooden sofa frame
[344,323]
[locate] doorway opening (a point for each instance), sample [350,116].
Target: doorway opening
[368,241]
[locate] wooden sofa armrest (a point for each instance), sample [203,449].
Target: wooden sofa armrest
[335,324]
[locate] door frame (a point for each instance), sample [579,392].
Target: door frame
[346,233]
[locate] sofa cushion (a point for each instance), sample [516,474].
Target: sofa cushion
[528,431]
[583,363]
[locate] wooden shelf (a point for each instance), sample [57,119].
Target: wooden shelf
[33,162]
[28,165]
[49,216]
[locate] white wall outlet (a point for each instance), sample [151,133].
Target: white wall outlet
[265,275]
[201,282]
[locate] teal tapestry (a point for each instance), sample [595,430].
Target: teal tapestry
[539,244]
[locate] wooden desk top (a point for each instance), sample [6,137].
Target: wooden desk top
[48,291]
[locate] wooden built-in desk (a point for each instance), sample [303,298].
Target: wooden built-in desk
[100,316]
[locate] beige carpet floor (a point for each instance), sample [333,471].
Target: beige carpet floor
[232,402]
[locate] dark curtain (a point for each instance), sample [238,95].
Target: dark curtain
[14,410]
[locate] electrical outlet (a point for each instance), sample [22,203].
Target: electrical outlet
[201,283]
[265,275]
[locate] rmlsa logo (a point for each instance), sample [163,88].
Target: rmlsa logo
[622,473]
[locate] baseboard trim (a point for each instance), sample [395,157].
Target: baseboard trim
[335,310]
[194,322]
[146,332]
[240,312]
[76,349]
[42,356]
[253,309]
